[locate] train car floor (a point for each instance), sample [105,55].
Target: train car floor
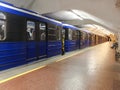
[93,68]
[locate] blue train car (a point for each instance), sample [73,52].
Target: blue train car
[72,41]
[54,44]
[26,36]
[84,38]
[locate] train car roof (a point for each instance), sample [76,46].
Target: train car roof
[84,30]
[70,26]
[10,8]
[74,28]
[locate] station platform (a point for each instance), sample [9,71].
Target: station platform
[93,68]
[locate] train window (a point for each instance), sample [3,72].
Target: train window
[42,27]
[63,33]
[74,35]
[84,36]
[2,26]
[78,35]
[70,34]
[53,32]
[2,16]
[58,33]
[30,30]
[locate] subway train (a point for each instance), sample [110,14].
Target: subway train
[27,36]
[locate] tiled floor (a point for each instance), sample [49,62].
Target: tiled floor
[94,69]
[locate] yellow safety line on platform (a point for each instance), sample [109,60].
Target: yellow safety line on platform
[72,55]
[13,77]
[67,57]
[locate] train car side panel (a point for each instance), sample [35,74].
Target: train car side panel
[12,40]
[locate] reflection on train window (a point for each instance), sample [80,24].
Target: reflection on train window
[53,32]
[74,35]
[30,30]
[58,33]
[2,26]
[42,27]
[83,36]
[70,34]
[63,33]
[78,35]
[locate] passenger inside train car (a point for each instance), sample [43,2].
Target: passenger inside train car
[2,26]
[31,30]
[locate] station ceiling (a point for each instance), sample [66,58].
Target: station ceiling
[100,12]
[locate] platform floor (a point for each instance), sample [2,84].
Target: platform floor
[94,69]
